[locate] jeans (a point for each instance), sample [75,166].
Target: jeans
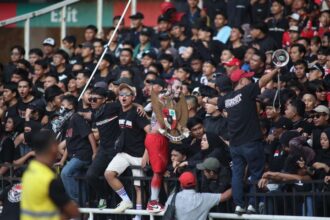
[72,169]
[97,168]
[251,154]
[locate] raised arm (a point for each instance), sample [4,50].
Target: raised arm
[266,78]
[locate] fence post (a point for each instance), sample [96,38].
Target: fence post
[63,24]
[133,7]
[99,16]
[27,38]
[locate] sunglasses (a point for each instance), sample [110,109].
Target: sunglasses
[318,115]
[123,94]
[94,99]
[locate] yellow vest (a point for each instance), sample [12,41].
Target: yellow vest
[35,201]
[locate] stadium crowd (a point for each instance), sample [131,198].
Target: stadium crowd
[249,121]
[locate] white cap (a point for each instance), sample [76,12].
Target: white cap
[295,16]
[49,41]
[294,28]
[322,109]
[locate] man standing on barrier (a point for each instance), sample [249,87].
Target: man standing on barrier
[168,121]
[245,141]
[129,147]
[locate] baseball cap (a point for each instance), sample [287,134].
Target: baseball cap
[223,83]
[150,53]
[164,36]
[163,18]
[196,91]
[100,91]
[294,29]
[284,123]
[108,57]
[101,84]
[87,44]
[232,62]
[322,109]
[137,15]
[49,41]
[123,80]
[239,74]
[157,81]
[209,164]
[317,66]
[146,32]
[125,85]
[295,16]
[187,179]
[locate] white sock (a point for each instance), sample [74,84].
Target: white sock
[123,195]
[138,207]
[154,193]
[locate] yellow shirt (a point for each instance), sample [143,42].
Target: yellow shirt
[35,201]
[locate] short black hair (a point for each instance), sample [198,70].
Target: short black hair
[300,47]
[26,80]
[11,86]
[262,56]
[91,27]
[42,140]
[22,72]
[86,73]
[193,122]
[64,54]
[37,51]
[128,50]
[42,63]
[72,100]
[19,48]
[53,75]
[222,13]
[301,62]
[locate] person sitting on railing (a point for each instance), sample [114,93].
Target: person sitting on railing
[130,148]
[192,205]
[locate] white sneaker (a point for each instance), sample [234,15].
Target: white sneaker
[122,206]
[102,204]
[251,210]
[239,210]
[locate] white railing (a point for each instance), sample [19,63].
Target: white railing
[27,19]
[92,211]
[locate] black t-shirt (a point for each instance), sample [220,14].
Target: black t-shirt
[7,150]
[22,106]
[243,121]
[106,121]
[12,111]
[77,141]
[132,127]
[57,193]
[11,198]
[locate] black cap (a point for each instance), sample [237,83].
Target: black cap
[224,83]
[109,58]
[287,136]
[38,105]
[150,53]
[100,91]
[157,81]
[284,123]
[138,15]
[146,31]
[163,18]
[164,36]
[123,80]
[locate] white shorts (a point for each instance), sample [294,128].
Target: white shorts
[123,160]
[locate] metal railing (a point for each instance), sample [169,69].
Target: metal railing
[92,211]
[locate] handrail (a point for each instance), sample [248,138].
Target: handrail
[92,211]
[37,13]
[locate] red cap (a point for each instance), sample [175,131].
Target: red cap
[232,62]
[239,74]
[187,179]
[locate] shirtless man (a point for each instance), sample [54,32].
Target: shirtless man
[168,119]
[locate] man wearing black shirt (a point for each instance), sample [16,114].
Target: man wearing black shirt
[180,39]
[24,91]
[261,39]
[105,118]
[80,147]
[246,147]
[10,98]
[130,147]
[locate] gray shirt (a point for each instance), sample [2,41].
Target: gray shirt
[192,205]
